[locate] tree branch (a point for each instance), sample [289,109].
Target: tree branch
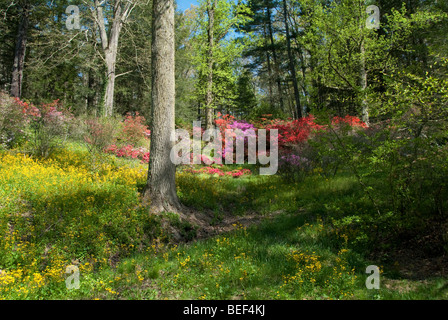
[336,70]
[99,18]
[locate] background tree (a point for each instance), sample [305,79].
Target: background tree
[119,12]
[20,50]
[214,52]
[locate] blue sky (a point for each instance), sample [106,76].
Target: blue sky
[185,4]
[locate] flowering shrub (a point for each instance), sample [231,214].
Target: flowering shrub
[228,122]
[306,144]
[223,121]
[59,200]
[134,129]
[293,167]
[100,133]
[129,151]
[248,130]
[132,133]
[350,121]
[49,123]
[293,132]
[12,121]
[212,171]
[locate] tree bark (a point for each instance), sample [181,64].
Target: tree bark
[160,192]
[274,55]
[19,54]
[292,66]
[363,79]
[110,46]
[268,61]
[211,42]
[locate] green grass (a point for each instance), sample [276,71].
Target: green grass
[314,243]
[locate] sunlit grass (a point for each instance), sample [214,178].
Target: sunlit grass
[81,209]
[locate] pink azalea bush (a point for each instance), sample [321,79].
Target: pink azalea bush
[128,151]
[133,132]
[12,121]
[216,171]
[50,123]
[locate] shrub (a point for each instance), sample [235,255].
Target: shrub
[293,132]
[294,168]
[134,130]
[211,170]
[101,133]
[49,124]
[129,151]
[12,121]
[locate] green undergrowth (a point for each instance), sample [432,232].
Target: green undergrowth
[77,209]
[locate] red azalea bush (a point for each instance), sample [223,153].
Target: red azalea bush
[351,121]
[212,171]
[129,151]
[312,143]
[295,131]
[134,130]
[49,123]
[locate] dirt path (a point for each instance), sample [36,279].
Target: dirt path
[206,225]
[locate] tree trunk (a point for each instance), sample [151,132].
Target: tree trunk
[110,46]
[211,41]
[111,57]
[19,54]
[363,79]
[274,55]
[160,192]
[268,61]
[292,66]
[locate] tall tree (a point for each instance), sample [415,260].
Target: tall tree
[20,50]
[265,51]
[292,65]
[211,7]
[109,41]
[160,191]
[215,53]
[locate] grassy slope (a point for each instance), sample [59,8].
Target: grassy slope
[74,211]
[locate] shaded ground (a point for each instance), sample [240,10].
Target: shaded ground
[207,224]
[418,258]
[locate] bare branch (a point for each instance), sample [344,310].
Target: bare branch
[99,18]
[124,73]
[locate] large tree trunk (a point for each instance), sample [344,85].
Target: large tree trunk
[211,42]
[19,54]
[292,66]
[160,191]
